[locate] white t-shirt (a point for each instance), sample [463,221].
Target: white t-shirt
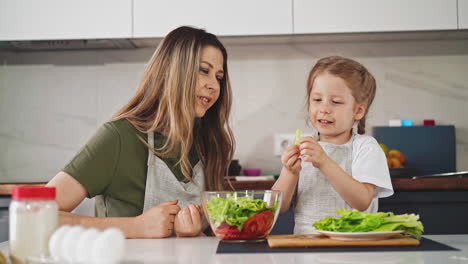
[370,165]
[316,197]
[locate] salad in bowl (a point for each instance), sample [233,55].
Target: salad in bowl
[242,215]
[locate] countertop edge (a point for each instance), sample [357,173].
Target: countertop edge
[399,184]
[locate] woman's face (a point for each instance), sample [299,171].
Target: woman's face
[209,79]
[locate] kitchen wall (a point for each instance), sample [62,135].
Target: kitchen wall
[52,102]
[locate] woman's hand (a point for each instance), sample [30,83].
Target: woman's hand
[157,222]
[188,222]
[311,151]
[291,160]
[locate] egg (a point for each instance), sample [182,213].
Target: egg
[55,241]
[84,245]
[69,242]
[81,250]
[109,246]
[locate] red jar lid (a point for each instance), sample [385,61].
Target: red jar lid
[33,193]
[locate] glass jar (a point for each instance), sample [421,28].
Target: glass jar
[33,219]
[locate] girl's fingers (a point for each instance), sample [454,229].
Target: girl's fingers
[307,152]
[292,161]
[292,151]
[307,158]
[307,145]
[289,154]
[307,139]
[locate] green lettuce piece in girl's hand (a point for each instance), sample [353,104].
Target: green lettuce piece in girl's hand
[298,136]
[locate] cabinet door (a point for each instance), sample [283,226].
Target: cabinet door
[221,17]
[65,19]
[334,16]
[463,14]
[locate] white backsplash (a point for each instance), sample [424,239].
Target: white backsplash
[52,102]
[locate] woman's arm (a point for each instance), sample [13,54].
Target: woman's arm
[157,222]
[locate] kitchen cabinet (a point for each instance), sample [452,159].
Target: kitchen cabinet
[224,18]
[343,16]
[463,14]
[441,211]
[57,19]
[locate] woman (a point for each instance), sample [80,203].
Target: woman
[148,166]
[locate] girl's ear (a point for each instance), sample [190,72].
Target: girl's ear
[359,111]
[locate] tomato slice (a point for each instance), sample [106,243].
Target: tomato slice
[256,226]
[259,224]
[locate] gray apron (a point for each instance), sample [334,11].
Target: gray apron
[162,185]
[316,197]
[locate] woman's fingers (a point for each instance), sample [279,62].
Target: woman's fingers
[195,215]
[186,216]
[172,209]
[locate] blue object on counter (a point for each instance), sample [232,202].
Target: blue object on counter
[406,122]
[428,149]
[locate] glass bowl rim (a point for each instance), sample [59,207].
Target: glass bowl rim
[244,191]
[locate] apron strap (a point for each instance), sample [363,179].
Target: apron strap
[150,153]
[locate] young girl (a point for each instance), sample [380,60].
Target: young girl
[341,167]
[148,166]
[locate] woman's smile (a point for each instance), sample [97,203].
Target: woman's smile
[204,100]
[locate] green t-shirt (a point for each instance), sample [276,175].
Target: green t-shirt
[113,164]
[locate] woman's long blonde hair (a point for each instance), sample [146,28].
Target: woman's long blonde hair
[165,103]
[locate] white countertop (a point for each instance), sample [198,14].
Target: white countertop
[203,250]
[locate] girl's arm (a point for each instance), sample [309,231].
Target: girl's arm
[356,194]
[289,176]
[155,223]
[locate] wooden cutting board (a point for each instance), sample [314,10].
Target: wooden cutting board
[279,241]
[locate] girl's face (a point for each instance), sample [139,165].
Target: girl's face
[333,109]
[209,78]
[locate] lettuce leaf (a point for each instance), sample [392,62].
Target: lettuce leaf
[235,210]
[355,221]
[298,136]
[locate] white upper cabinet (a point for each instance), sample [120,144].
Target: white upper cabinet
[65,19]
[335,16]
[463,14]
[221,17]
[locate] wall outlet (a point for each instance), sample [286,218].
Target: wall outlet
[282,142]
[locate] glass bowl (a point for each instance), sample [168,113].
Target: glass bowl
[240,216]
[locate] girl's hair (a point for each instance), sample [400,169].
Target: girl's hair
[357,77]
[165,103]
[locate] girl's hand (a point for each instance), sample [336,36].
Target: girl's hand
[311,151]
[291,160]
[188,222]
[157,222]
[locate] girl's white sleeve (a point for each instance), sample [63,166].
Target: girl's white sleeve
[370,165]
